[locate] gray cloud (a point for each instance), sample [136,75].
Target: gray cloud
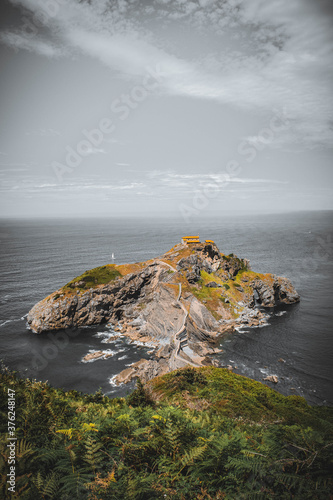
[285,62]
[225,70]
[44,48]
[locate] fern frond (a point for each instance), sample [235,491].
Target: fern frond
[66,432]
[47,486]
[93,455]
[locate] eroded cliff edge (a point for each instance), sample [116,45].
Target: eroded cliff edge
[182,301]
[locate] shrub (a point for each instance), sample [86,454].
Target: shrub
[140,396]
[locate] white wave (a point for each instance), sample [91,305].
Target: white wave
[281,313]
[112,381]
[123,357]
[107,336]
[240,329]
[102,334]
[3,323]
[6,321]
[108,341]
[143,344]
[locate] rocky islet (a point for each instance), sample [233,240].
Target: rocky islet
[181,302]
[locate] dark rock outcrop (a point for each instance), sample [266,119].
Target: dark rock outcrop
[271,293]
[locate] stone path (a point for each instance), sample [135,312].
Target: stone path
[179,338]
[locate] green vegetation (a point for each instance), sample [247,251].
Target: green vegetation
[209,296]
[97,276]
[204,434]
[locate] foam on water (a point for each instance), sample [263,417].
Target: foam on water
[123,357]
[112,380]
[6,321]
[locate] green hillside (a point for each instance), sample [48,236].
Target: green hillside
[192,434]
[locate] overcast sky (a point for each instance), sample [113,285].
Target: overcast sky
[165,106]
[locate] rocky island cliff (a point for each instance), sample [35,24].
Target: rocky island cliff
[181,302]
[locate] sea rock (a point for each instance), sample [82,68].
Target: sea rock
[271,378]
[273,290]
[97,355]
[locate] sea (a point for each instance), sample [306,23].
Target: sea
[39,256]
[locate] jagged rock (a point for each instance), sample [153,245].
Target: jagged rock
[213,284]
[271,378]
[192,277]
[78,284]
[97,355]
[194,263]
[232,264]
[164,352]
[271,293]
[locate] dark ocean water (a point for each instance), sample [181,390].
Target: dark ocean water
[39,256]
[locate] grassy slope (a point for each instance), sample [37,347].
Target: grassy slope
[198,434]
[97,276]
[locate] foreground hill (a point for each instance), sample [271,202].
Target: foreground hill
[195,433]
[181,301]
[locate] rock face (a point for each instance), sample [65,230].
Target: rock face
[271,378]
[182,301]
[274,292]
[95,306]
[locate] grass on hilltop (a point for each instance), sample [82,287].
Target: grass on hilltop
[90,279]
